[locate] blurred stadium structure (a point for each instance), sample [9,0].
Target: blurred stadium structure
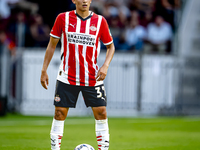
[136,84]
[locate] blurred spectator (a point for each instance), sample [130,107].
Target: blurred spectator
[120,14]
[6,41]
[124,12]
[117,33]
[167,9]
[97,6]
[115,30]
[4,14]
[4,9]
[115,8]
[145,5]
[146,19]
[110,10]
[39,31]
[9,8]
[7,5]
[8,52]
[134,15]
[142,5]
[20,30]
[54,7]
[135,34]
[159,34]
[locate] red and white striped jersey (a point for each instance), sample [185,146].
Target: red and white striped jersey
[80,46]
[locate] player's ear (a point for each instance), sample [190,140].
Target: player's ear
[74,1]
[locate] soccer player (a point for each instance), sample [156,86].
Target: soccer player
[80,32]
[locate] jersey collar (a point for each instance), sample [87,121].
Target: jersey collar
[91,13]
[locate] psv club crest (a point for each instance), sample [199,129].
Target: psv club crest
[57,98]
[93,28]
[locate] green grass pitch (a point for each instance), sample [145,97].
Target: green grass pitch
[160,133]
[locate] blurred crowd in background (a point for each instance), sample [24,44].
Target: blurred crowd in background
[136,25]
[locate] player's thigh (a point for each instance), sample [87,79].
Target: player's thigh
[66,95]
[94,96]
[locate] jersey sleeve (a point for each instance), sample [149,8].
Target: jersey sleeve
[57,27]
[105,35]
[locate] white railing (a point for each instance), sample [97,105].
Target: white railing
[158,85]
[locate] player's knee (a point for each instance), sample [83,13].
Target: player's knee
[60,114]
[101,114]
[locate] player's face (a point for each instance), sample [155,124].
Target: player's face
[82,5]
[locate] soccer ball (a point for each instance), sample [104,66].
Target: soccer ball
[84,147]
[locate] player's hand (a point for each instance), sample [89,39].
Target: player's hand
[44,79]
[101,75]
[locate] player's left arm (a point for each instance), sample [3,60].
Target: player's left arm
[101,75]
[44,79]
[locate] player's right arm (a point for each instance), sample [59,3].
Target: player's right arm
[44,79]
